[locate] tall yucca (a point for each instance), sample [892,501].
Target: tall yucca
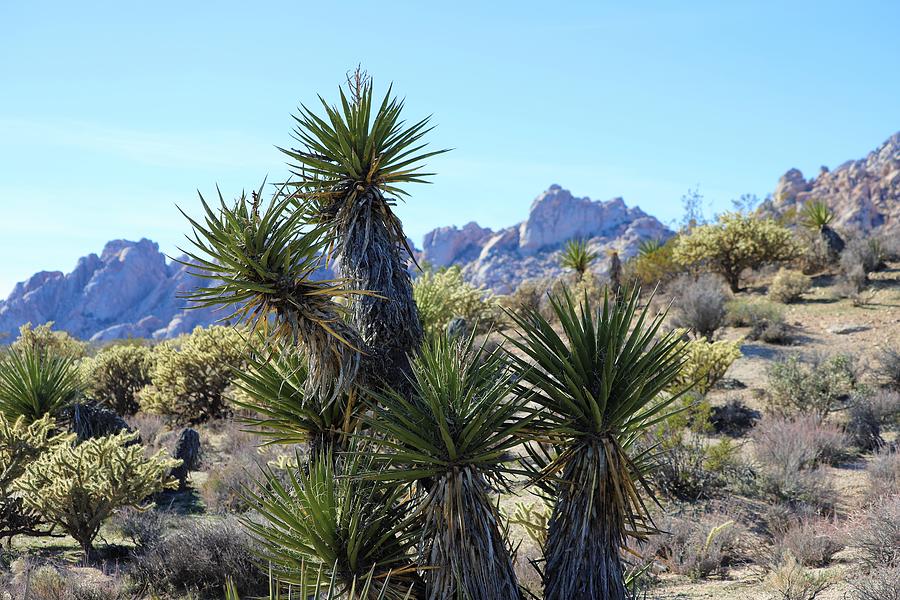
[285,412]
[599,383]
[816,215]
[260,261]
[352,160]
[578,256]
[452,439]
[34,384]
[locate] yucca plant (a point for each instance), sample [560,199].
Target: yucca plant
[599,382]
[34,384]
[323,588]
[285,412]
[649,246]
[816,215]
[452,439]
[342,525]
[352,160]
[261,266]
[578,256]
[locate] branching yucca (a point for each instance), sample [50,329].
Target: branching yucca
[452,438]
[34,383]
[578,256]
[352,159]
[261,266]
[343,526]
[288,414]
[816,215]
[599,384]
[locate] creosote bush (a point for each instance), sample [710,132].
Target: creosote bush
[78,487]
[191,377]
[788,286]
[115,375]
[817,386]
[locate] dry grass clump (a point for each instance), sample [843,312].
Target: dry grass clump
[812,541]
[792,581]
[884,474]
[876,533]
[699,303]
[788,286]
[764,318]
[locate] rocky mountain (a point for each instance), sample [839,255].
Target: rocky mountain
[130,289]
[501,259]
[864,194]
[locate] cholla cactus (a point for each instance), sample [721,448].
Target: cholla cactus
[115,375]
[705,363]
[78,487]
[21,443]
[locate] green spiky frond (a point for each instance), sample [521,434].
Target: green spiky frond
[577,255]
[352,147]
[649,246]
[276,390]
[321,529]
[600,383]
[452,437]
[34,384]
[816,215]
[261,265]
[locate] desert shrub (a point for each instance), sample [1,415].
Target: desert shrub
[529,295]
[877,584]
[765,319]
[444,294]
[863,426]
[698,545]
[884,474]
[889,366]
[142,525]
[43,341]
[734,243]
[78,487]
[705,363]
[868,252]
[652,265]
[816,254]
[812,541]
[699,303]
[788,286]
[788,451]
[196,558]
[89,420]
[21,443]
[885,405]
[876,533]
[790,580]
[733,418]
[33,384]
[817,386]
[223,491]
[191,377]
[33,580]
[115,375]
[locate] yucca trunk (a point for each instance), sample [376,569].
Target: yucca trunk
[586,528]
[833,241]
[464,553]
[372,259]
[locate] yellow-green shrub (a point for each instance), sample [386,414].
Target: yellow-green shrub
[43,340]
[705,363]
[653,264]
[191,376]
[115,375]
[788,286]
[444,294]
[78,487]
[734,243]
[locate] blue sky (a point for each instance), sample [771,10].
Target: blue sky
[111,113]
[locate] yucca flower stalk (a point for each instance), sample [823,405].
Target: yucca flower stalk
[353,161]
[34,383]
[578,256]
[261,262]
[452,439]
[599,382]
[816,215]
[322,529]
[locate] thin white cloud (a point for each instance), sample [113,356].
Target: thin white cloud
[156,148]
